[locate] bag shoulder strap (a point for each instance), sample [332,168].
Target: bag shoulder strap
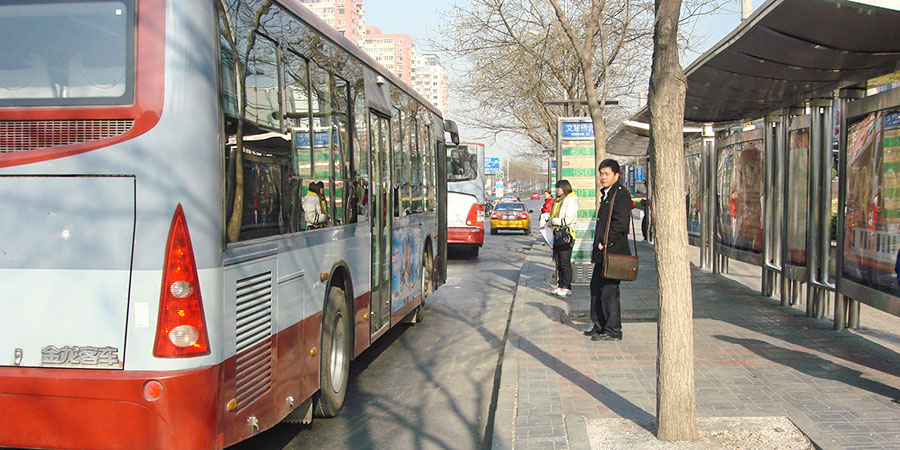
[612,203]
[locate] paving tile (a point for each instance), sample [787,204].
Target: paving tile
[752,358]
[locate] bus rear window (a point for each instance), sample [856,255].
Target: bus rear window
[66,53]
[510,207]
[462,163]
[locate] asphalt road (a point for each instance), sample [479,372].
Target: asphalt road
[429,385]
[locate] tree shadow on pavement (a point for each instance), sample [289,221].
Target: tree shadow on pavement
[554,313]
[609,398]
[739,305]
[812,365]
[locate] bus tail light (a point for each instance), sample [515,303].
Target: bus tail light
[476,216]
[524,215]
[181,326]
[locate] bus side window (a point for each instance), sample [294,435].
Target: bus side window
[360,150]
[297,113]
[398,161]
[341,118]
[262,101]
[418,167]
[409,152]
[264,179]
[322,135]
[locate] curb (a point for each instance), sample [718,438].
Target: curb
[503,436]
[505,408]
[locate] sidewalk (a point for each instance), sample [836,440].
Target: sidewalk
[752,358]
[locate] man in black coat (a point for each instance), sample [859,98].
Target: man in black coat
[606,310]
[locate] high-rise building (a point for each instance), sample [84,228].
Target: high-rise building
[346,16]
[430,80]
[396,52]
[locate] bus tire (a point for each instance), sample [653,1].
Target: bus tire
[335,355]
[527,231]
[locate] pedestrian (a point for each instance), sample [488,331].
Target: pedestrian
[615,208]
[315,209]
[645,221]
[562,216]
[548,202]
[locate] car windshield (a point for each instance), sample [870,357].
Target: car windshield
[510,207]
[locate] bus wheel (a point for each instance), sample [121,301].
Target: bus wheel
[335,355]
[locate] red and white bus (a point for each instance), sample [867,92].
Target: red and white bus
[465,196]
[209,209]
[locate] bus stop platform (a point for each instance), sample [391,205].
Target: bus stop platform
[753,358]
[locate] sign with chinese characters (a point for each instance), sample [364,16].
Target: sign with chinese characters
[579,167]
[576,128]
[301,139]
[70,355]
[639,174]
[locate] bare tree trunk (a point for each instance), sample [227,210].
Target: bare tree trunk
[675,403]
[595,108]
[599,146]
[233,229]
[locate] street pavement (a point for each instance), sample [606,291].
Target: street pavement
[752,358]
[429,385]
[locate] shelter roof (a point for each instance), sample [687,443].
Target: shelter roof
[786,52]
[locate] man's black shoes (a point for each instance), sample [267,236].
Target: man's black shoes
[605,337]
[592,332]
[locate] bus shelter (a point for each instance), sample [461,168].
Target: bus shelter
[792,164]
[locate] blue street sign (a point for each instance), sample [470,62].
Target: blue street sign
[577,130]
[631,177]
[639,174]
[498,185]
[302,139]
[553,164]
[491,166]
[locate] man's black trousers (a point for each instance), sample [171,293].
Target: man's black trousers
[606,310]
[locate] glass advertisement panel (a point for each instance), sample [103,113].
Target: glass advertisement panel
[798,207]
[873,201]
[692,165]
[739,179]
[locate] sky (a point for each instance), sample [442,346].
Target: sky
[422,18]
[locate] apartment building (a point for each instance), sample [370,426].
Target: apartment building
[394,51]
[346,16]
[430,80]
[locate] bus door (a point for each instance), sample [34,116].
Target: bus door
[381,223]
